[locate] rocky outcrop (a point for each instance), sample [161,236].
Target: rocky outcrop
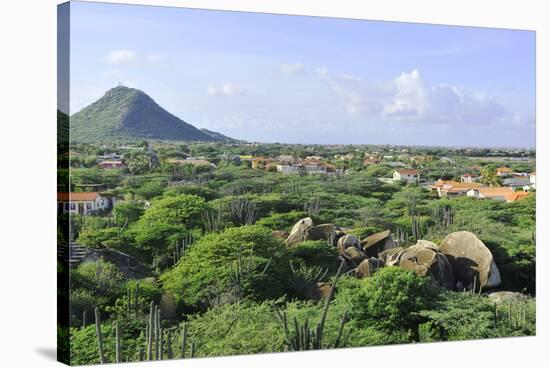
[374,244]
[391,256]
[299,232]
[471,260]
[354,256]
[426,260]
[347,241]
[325,232]
[368,267]
[319,290]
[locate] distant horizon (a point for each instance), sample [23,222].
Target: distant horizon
[315,79]
[332,143]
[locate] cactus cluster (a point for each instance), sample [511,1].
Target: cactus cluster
[306,338]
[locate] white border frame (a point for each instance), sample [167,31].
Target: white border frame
[28,65]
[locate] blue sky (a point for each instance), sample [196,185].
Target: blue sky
[295,79]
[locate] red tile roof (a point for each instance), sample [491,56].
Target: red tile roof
[408,172]
[504,169]
[77,196]
[518,195]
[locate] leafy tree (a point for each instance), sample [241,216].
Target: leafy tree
[489,176]
[128,211]
[184,210]
[139,162]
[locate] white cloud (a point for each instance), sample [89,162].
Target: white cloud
[152,59]
[406,98]
[121,57]
[290,69]
[227,89]
[409,97]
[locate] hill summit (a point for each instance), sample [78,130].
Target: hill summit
[124,114]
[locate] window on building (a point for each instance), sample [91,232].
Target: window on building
[73,206]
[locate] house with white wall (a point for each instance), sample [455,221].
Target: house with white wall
[409,175]
[84,203]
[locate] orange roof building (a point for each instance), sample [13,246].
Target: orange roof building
[83,203]
[453,188]
[517,196]
[504,171]
[494,193]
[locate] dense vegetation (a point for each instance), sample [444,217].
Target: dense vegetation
[226,285]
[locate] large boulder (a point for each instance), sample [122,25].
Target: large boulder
[391,256]
[374,244]
[322,232]
[368,267]
[347,241]
[425,259]
[472,261]
[299,232]
[354,256]
[320,290]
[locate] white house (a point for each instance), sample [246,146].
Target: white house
[409,175]
[467,178]
[84,203]
[504,172]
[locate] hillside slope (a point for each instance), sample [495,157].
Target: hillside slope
[126,114]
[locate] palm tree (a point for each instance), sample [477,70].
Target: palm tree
[489,177]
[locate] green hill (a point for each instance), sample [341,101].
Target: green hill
[127,114]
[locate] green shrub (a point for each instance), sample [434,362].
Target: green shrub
[98,238]
[191,189]
[461,316]
[206,275]
[281,221]
[127,212]
[84,343]
[182,210]
[316,253]
[390,299]
[100,278]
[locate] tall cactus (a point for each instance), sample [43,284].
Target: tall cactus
[169,351]
[158,335]
[304,337]
[84,319]
[136,299]
[183,340]
[128,302]
[99,336]
[192,349]
[150,333]
[117,344]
